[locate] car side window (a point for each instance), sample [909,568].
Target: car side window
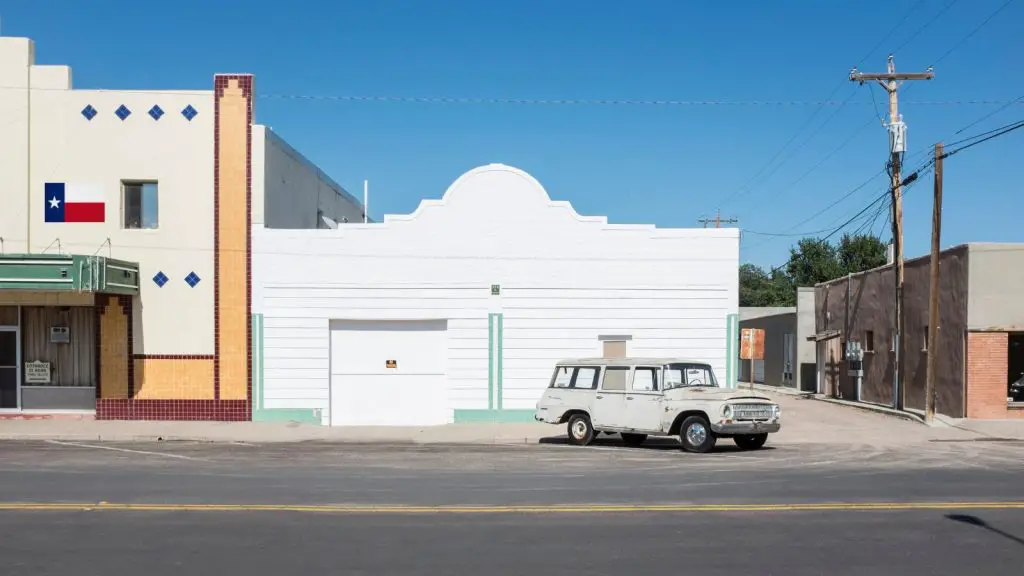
[562,377]
[585,378]
[645,380]
[615,378]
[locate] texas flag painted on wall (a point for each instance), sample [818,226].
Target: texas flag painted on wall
[74,202]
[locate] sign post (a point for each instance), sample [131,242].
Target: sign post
[752,348]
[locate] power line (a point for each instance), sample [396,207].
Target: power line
[974,31]
[814,115]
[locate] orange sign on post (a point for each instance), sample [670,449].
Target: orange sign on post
[752,344]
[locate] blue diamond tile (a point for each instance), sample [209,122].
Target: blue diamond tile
[156,112]
[192,279]
[123,112]
[189,112]
[160,279]
[89,112]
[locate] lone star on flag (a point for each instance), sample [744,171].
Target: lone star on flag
[54,203]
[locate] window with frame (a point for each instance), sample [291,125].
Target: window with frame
[140,206]
[562,377]
[615,378]
[645,380]
[585,378]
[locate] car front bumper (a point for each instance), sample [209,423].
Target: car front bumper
[739,428]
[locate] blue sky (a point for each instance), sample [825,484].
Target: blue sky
[662,164]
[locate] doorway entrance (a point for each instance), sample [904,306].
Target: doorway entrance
[10,374]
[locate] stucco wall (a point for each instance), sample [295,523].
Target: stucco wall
[776,322]
[806,353]
[565,280]
[996,281]
[871,308]
[68,147]
[293,189]
[16,56]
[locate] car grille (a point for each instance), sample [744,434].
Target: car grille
[751,411]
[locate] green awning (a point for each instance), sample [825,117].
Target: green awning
[68,273]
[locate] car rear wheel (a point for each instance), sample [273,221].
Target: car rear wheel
[633,439]
[751,441]
[581,431]
[696,436]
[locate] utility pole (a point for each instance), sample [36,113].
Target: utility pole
[933,291]
[891,81]
[717,220]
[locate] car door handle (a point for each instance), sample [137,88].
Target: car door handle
[599,396]
[629,397]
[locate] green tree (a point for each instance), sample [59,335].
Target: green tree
[813,260]
[861,252]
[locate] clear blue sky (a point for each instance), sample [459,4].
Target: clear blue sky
[666,165]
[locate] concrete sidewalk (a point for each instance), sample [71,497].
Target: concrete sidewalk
[148,431]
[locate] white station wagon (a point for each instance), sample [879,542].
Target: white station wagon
[638,397]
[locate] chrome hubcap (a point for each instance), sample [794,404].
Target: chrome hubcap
[696,434]
[579,429]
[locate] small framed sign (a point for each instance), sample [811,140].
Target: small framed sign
[37,372]
[495,289]
[60,335]
[391,364]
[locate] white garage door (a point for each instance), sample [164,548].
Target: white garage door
[389,373]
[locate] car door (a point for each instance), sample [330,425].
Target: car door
[643,400]
[609,409]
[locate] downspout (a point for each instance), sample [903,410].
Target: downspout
[846,325]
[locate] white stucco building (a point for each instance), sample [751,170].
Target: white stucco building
[458,311]
[125,225]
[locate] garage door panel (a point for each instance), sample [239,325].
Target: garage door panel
[367,389]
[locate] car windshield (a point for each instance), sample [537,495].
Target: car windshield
[685,374]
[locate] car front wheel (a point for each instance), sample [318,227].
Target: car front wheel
[696,436]
[751,441]
[581,431]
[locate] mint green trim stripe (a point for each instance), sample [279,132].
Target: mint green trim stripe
[259,413]
[501,354]
[493,416]
[732,337]
[490,361]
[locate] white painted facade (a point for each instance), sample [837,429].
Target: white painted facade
[563,281]
[50,132]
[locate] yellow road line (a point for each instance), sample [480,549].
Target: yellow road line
[517,509]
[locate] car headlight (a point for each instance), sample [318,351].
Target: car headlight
[727,412]
[776,411]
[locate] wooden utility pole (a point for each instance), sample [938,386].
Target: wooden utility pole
[891,81]
[717,220]
[933,291]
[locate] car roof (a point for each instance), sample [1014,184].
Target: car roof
[628,361]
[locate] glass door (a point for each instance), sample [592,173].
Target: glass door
[10,375]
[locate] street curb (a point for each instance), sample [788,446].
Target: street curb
[156,439]
[909,416]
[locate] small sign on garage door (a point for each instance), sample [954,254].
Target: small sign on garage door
[391,364]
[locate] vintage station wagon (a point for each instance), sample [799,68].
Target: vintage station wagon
[639,397]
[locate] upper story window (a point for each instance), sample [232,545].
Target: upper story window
[140,205]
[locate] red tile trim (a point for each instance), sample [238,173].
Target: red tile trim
[218,91]
[216,410]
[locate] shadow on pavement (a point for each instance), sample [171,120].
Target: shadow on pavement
[655,444]
[975,521]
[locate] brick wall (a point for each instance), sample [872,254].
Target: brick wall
[986,375]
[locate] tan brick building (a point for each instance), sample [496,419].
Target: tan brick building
[980,343]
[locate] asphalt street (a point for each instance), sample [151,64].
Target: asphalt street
[171,508]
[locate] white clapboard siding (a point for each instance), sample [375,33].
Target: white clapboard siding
[564,279]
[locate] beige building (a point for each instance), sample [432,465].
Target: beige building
[125,241]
